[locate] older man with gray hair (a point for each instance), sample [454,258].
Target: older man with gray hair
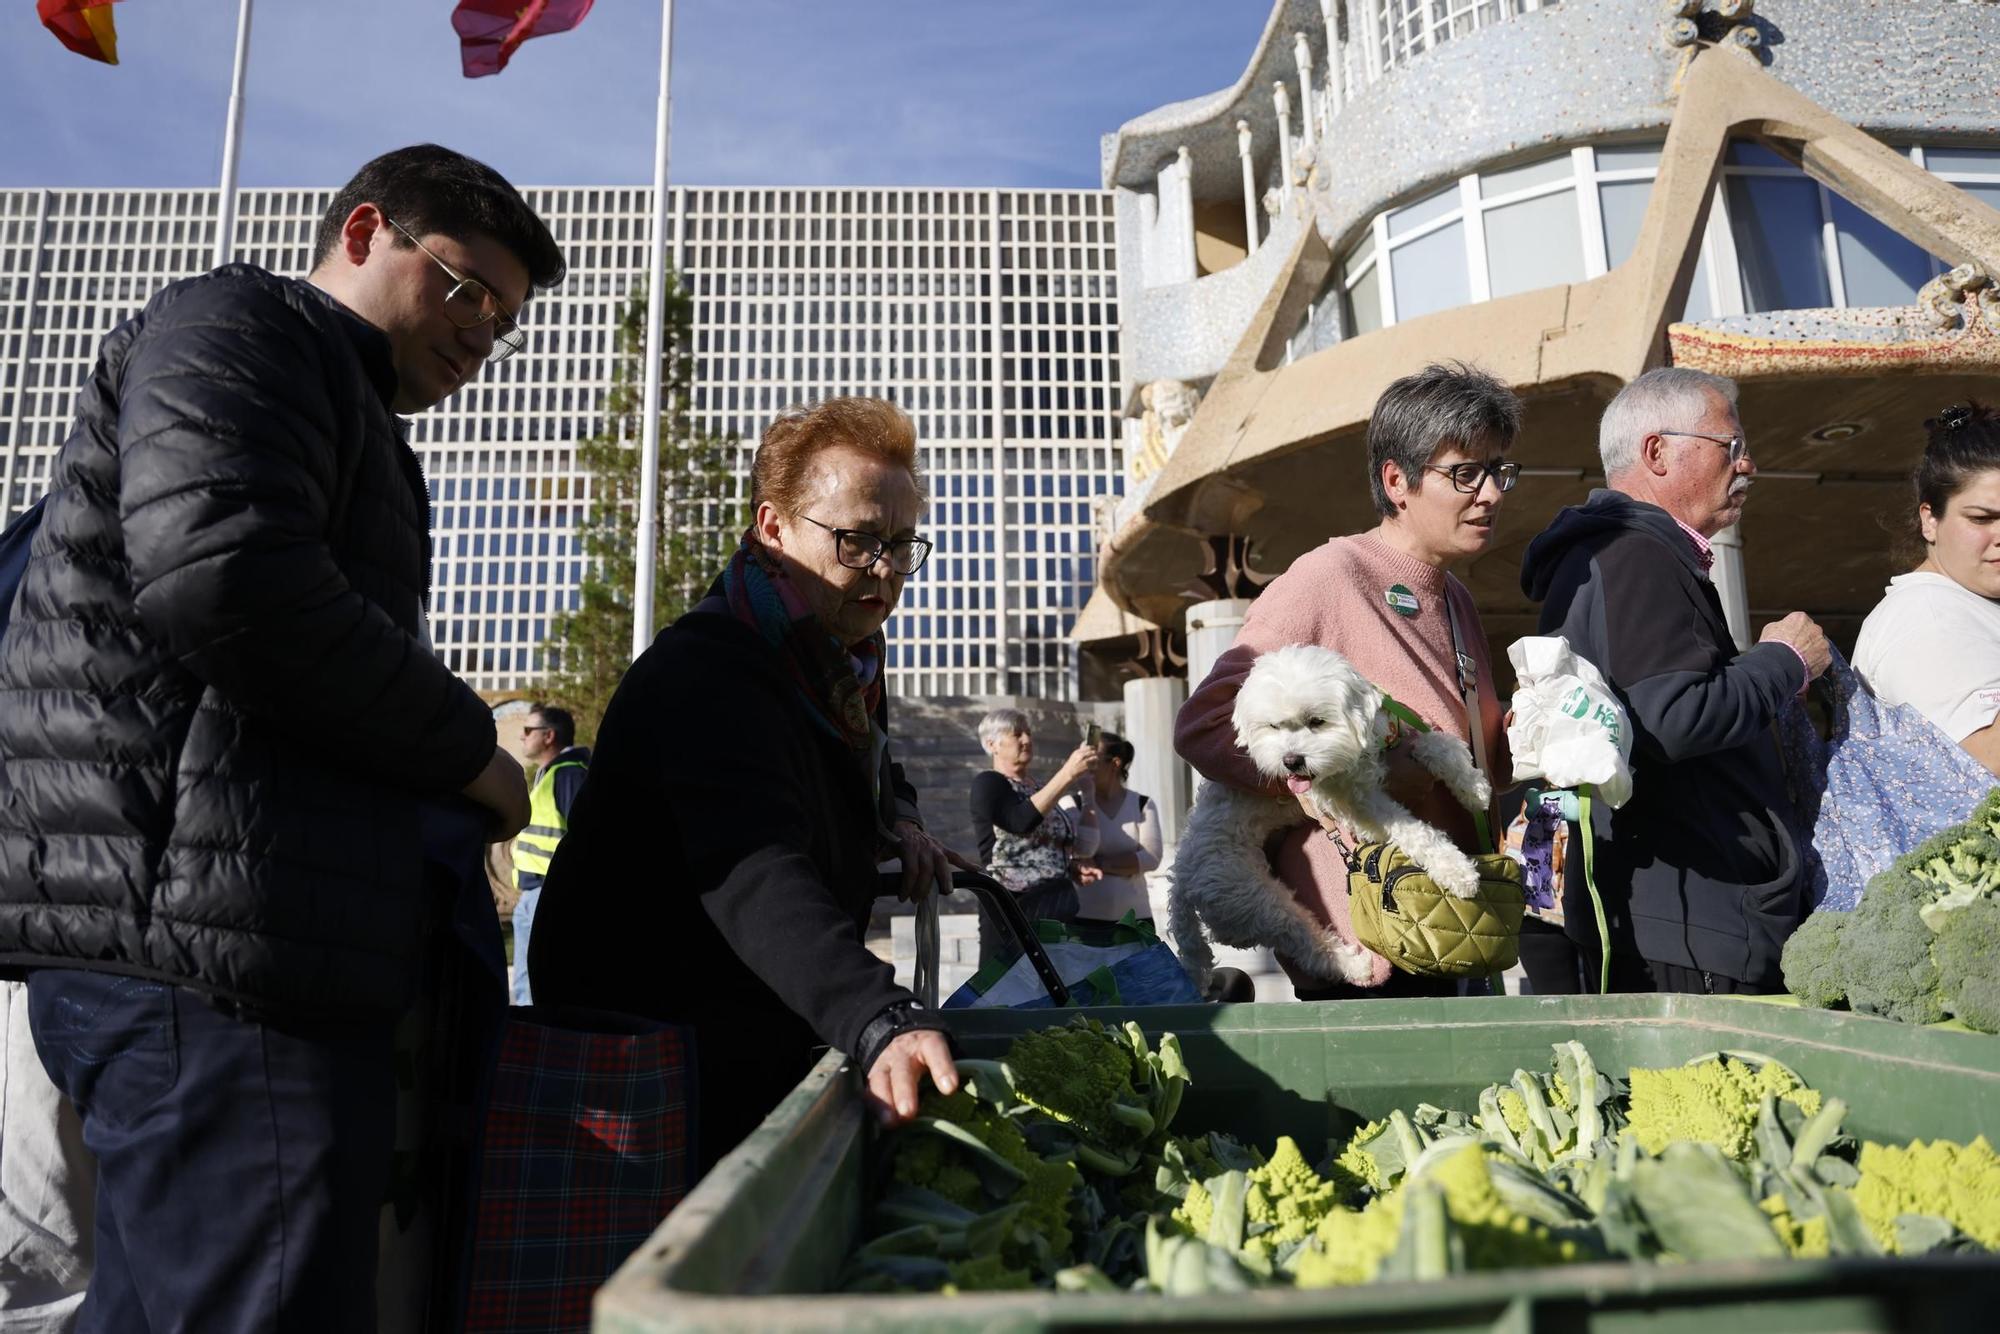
[1699,873]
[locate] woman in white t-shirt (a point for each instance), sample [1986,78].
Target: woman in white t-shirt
[1128,839]
[1933,641]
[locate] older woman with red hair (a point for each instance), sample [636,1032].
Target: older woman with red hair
[721,859]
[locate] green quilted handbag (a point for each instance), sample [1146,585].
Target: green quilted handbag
[1401,914]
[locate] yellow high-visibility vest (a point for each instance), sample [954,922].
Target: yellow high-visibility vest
[536,844]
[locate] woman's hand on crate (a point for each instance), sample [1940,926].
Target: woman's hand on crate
[896,1078]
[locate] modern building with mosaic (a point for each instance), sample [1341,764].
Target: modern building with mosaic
[1800,194]
[990,315]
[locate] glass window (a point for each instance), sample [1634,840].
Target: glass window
[1777,228]
[1494,184]
[1879,267]
[1430,274]
[1534,243]
[1986,194]
[1983,161]
[1364,303]
[1629,157]
[1623,206]
[1427,209]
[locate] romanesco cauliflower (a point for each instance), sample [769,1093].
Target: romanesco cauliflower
[1958,1183]
[1349,1245]
[1805,1238]
[1081,1074]
[1714,1102]
[1288,1197]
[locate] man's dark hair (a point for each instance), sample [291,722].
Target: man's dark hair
[560,720]
[434,191]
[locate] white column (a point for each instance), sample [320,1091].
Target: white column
[1176,231]
[1149,236]
[1302,55]
[1282,100]
[1151,706]
[647,533]
[1731,584]
[1211,629]
[1243,154]
[1335,94]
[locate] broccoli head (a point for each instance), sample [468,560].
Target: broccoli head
[1812,963]
[1967,951]
[1496,1236]
[1957,1183]
[1006,1173]
[1713,1101]
[1806,1238]
[1884,952]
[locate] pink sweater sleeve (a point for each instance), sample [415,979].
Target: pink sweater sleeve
[1204,735]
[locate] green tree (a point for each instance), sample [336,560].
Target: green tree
[703,510]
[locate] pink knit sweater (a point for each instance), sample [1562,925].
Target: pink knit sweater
[1334,597]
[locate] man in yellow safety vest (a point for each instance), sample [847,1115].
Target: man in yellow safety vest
[548,741]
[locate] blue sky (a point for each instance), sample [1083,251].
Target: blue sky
[806,92]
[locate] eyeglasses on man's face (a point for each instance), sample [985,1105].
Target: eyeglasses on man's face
[1470,476]
[527,732]
[858,550]
[1737,446]
[471,303]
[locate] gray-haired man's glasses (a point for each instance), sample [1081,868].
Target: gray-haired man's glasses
[1735,444]
[471,303]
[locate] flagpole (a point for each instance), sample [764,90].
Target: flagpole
[225,221]
[656,281]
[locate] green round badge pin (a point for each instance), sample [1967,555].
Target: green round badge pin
[1401,600]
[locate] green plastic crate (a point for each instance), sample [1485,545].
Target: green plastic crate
[756,1245]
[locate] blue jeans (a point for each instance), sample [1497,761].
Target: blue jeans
[242,1165]
[524,923]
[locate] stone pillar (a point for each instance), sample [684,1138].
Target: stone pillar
[1282,100]
[1149,237]
[1243,154]
[1335,94]
[1211,629]
[1184,214]
[1152,703]
[1302,55]
[1730,583]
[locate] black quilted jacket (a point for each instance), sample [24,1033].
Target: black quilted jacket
[216,706]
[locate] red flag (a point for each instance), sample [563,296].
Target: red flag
[84,26]
[489,30]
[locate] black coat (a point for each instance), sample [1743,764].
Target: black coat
[718,872]
[1699,869]
[216,705]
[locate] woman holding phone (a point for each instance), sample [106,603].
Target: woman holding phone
[1029,836]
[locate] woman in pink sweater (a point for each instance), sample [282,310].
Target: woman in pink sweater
[1436,445]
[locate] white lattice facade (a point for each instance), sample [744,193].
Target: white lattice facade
[990,315]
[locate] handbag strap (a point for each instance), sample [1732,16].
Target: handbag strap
[1475,724]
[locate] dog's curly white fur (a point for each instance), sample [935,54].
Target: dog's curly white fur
[1306,716]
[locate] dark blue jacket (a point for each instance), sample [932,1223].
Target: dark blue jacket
[1699,868]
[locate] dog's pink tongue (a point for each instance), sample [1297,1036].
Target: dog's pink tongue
[1298,783]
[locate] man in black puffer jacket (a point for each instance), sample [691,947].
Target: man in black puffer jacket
[1699,871]
[220,716]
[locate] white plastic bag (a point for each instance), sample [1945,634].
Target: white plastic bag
[1569,729]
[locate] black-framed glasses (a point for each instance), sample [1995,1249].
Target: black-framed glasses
[1737,446]
[1469,476]
[858,550]
[471,303]
[527,732]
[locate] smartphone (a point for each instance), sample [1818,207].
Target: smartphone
[1091,733]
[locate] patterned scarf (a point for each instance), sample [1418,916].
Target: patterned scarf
[842,687]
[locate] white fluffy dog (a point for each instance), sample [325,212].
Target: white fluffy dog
[1305,715]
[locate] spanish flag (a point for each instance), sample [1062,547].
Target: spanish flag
[490,30]
[84,26]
